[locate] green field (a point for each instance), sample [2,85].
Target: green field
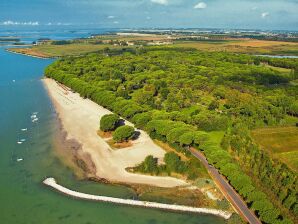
[281,142]
[49,50]
[69,49]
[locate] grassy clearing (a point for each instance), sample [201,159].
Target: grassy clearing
[182,196]
[216,136]
[278,69]
[167,148]
[280,142]
[201,170]
[62,50]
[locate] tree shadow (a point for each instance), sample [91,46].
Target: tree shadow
[121,122]
[136,135]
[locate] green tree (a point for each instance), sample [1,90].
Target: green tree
[123,133]
[141,119]
[149,165]
[256,196]
[109,122]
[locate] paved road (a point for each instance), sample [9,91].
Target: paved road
[227,190]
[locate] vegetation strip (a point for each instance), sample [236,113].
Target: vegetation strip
[52,183]
[227,190]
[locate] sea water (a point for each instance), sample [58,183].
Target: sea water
[23,167]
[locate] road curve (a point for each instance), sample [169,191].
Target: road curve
[227,189]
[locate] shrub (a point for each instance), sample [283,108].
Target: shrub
[149,165]
[172,161]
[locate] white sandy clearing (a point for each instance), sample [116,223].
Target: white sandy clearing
[80,119]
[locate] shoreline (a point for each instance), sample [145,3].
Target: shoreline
[29,55]
[109,164]
[69,151]
[51,182]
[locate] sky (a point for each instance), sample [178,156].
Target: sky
[230,14]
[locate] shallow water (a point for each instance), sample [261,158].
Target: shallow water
[277,56]
[23,198]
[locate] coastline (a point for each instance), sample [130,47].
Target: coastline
[71,154]
[28,55]
[51,182]
[80,119]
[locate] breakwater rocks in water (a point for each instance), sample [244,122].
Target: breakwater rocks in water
[52,183]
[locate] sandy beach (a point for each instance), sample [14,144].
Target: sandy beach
[80,120]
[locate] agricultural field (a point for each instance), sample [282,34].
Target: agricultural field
[280,142]
[245,46]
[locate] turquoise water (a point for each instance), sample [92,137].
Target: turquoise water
[23,199]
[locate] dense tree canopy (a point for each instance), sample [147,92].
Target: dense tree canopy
[200,88]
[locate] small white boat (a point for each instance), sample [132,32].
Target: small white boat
[34,120]
[19,142]
[24,129]
[22,140]
[14,80]
[35,113]
[33,116]
[20,159]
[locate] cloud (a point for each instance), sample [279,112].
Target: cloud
[111,17]
[161,2]
[15,23]
[265,14]
[200,5]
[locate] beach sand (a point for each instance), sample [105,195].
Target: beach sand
[80,120]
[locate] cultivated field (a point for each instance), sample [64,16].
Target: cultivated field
[281,142]
[245,46]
